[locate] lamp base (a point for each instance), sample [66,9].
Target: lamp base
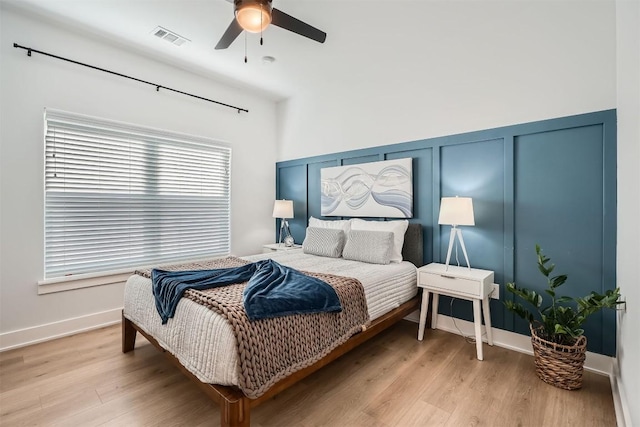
[285,237]
[456,232]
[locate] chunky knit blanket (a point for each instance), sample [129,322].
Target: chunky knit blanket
[269,350]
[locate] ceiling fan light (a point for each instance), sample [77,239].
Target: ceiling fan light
[253,18]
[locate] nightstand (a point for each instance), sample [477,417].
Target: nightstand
[274,247]
[458,282]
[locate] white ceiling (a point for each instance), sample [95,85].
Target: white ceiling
[299,61]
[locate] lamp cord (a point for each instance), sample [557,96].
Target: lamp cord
[468,338]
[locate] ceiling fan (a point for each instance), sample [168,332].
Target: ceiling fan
[256,15]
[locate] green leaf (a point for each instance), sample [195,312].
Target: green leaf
[559,329]
[529,296]
[543,269]
[519,310]
[558,280]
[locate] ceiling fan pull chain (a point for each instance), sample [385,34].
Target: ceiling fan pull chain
[261,27]
[245,47]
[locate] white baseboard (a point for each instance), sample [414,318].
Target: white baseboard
[522,343]
[63,328]
[620,401]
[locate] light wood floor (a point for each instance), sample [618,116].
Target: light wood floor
[393,380]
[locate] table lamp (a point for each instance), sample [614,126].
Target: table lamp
[283,209]
[456,211]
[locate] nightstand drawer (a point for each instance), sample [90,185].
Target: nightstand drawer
[450,284]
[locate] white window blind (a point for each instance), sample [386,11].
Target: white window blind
[120,196]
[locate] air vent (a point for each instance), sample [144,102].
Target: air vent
[169,36]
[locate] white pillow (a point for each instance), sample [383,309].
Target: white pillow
[341,224]
[369,246]
[398,228]
[327,242]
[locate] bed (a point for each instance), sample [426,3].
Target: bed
[202,343]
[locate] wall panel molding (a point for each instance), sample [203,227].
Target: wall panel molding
[526,181]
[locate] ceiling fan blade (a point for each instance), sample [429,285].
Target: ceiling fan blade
[233,31]
[288,22]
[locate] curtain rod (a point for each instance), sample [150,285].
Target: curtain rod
[157,86]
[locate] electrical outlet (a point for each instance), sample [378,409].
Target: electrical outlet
[495,291]
[622,305]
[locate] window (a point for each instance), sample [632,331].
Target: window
[121,196]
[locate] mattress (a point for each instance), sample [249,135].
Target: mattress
[203,341]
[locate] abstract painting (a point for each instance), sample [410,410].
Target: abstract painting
[377,189]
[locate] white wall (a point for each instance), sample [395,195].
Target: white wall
[29,84]
[628,73]
[448,67]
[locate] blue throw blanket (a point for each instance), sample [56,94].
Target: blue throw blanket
[273,289]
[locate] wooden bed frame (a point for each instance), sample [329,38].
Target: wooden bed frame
[235,407]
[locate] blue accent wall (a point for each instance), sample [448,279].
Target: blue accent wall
[551,182]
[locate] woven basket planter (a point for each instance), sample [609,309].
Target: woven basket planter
[559,365]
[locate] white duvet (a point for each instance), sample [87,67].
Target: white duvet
[203,341]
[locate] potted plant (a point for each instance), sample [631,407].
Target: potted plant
[558,340]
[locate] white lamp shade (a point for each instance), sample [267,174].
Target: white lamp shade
[283,209]
[456,211]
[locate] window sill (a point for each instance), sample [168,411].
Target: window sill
[88,280]
[80,281]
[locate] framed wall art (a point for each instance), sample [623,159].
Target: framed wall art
[376,189]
